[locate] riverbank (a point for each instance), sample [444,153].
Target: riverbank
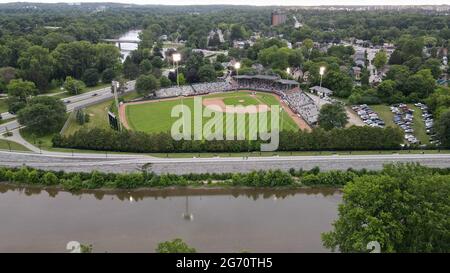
[77,181]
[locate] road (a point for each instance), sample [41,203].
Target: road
[72,103]
[119,163]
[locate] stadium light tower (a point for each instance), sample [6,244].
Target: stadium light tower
[176,58]
[237,66]
[321,72]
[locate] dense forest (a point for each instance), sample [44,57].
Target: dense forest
[44,47]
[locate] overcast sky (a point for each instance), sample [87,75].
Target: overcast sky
[258,2]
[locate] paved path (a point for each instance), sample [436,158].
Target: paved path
[130,163]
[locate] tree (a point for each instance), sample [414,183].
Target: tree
[174,246]
[146,84]
[5,55]
[130,69]
[73,86]
[157,62]
[108,75]
[43,115]
[443,128]
[380,59]
[91,77]
[340,82]
[237,32]
[181,79]
[106,56]
[399,74]
[72,59]
[214,41]
[7,74]
[80,117]
[422,83]
[37,66]
[21,89]
[207,73]
[53,39]
[165,82]
[386,89]
[404,210]
[434,65]
[332,116]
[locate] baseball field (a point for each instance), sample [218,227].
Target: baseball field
[155,116]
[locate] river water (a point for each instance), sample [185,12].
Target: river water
[126,48]
[211,220]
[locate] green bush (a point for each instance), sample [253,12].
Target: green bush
[33,177]
[353,138]
[50,179]
[73,184]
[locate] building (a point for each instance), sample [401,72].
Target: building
[278,18]
[321,91]
[356,71]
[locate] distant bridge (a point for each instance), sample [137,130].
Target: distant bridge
[120,41]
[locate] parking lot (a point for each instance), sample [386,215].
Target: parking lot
[404,118]
[427,118]
[368,116]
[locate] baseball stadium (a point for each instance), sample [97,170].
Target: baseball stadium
[242,96]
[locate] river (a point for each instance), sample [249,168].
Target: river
[126,48]
[211,220]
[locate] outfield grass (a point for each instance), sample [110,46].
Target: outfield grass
[154,117]
[243,100]
[6,145]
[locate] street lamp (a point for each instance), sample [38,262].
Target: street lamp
[176,58]
[237,66]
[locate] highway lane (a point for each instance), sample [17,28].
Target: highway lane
[72,103]
[128,163]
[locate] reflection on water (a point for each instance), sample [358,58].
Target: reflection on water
[126,48]
[212,220]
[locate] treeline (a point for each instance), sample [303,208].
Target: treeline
[353,138]
[74,181]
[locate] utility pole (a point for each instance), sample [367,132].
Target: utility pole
[115,85]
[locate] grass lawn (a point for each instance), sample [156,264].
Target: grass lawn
[3,105]
[156,117]
[6,144]
[98,115]
[419,126]
[2,121]
[384,112]
[44,142]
